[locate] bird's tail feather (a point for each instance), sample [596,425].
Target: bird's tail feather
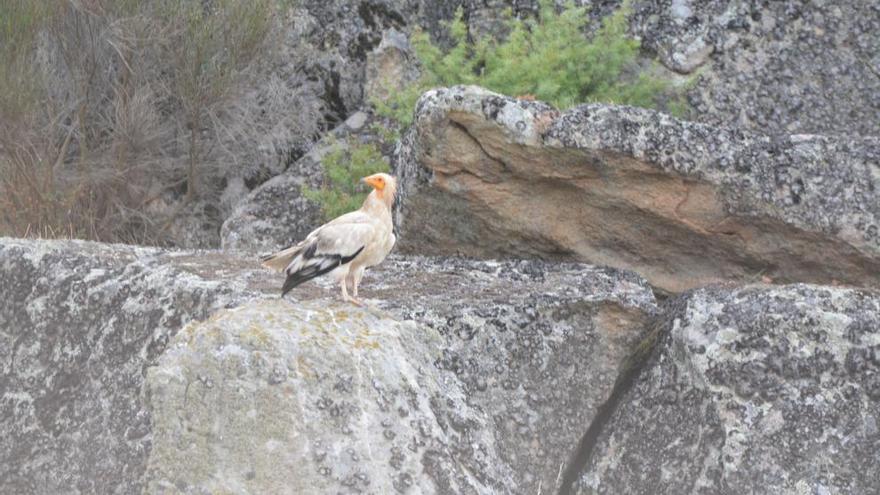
[315,267]
[279,261]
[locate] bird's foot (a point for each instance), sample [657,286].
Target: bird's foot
[354,300]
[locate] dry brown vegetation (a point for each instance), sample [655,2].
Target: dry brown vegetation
[119,116]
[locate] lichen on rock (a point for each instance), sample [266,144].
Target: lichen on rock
[755,389]
[684,204]
[467,376]
[279,397]
[79,323]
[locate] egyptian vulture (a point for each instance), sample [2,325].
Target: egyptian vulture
[345,246]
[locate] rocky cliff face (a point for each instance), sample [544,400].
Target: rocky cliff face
[467,377]
[79,324]
[773,67]
[683,204]
[129,369]
[773,390]
[340,34]
[276,214]
[780,68]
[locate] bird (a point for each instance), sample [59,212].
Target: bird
[344,247]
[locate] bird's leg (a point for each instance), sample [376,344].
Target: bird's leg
[350,279]
[356,280]
[346,297]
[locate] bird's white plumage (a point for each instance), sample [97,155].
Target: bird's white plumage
[345,246]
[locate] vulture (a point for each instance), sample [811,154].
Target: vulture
[344,247]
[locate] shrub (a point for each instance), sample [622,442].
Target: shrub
[547,57]
[344,166]
[20,22]
[117,116]
[209,47]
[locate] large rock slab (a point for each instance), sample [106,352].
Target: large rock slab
[285,397]
[684,204]
[754,390]
[79,323]
[506,362]
[537,346]
[513,358]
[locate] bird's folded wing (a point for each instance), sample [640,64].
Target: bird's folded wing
[332,247]
[342,240]
[326,236]
[352,217]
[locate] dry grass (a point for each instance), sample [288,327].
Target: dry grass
[117,115]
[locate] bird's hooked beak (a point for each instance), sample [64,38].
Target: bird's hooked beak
[375,181]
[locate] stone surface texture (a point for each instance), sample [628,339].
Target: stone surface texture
[390,66]
[464,376]
[753,390]
[79,324]
[291,398]
[783,67]
[537,346]
[682,203]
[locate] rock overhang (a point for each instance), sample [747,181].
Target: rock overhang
[684,204]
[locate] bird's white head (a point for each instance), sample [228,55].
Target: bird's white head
[380,181]
[384,186]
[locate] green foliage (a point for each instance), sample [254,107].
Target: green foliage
[387,134]
[344,166]
[399,106]
[548,58]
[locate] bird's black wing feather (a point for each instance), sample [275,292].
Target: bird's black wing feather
[318,265]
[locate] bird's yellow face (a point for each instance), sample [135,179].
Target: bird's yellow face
[376,181]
